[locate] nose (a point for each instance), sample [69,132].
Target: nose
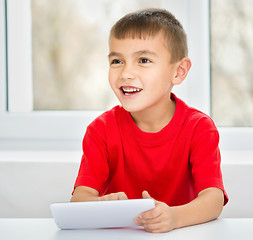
[127,72]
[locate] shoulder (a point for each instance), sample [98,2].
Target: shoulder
[106,119]
[204,129]
[196,124]
[201,120]
[104,126]
[194,118]
[198,128]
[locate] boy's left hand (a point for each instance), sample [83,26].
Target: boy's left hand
[157,220]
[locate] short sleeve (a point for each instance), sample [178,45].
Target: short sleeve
[94,170]
[205,158]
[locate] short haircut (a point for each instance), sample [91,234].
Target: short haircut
[149,22]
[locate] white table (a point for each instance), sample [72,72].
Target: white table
[45,229]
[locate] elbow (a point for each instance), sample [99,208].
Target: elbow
[220,204]
[217,203]
[213,199]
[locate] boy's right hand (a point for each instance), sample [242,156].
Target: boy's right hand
[114,196]
[84,194]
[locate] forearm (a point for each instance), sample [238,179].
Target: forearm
[84,194]
[206,207]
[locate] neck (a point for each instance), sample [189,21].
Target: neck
[155,119]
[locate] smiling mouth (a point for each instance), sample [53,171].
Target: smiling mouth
[127,91]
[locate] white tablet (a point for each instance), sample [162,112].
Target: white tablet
[99,214]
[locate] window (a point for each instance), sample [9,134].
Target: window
[55,53]
[231,25]
[231,61]
[69,52]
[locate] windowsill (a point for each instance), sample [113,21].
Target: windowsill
[228,157]
[40,156]
[237,157]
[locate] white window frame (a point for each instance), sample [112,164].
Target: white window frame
[21,128]
[3,73]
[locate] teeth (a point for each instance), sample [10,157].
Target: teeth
[131,90]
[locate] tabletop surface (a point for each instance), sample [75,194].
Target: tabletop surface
[26,229]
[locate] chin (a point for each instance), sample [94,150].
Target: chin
[132,109]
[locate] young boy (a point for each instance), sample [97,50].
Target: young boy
[154,145]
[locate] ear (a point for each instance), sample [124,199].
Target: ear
[183,68]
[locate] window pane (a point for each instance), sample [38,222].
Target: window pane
[69,52]
[231,62]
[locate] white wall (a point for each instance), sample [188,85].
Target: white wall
[30,181]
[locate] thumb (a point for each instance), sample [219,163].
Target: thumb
[145,194]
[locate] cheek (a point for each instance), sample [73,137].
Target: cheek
[111,78]
[114,76]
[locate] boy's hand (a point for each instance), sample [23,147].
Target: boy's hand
[157,220]
[85,194]
[114,196]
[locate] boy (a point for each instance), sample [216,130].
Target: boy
[154,146]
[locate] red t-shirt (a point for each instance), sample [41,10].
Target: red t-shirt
[173,165]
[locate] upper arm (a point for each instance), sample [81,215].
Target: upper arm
[94,168]
[205,158]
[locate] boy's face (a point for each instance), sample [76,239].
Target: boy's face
[140,73]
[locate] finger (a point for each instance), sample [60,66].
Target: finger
[151,220]
[144,222]
[114,196]
[145,194]
[122,196]
[137,220]
[155,227]
[151,214]
[158,228]
[105,197]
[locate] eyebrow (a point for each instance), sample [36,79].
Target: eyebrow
[114,54]
[145,52]
[138,53]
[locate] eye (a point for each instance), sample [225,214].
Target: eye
[116,61]
[144,60]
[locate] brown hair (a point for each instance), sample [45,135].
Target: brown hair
[149,22]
